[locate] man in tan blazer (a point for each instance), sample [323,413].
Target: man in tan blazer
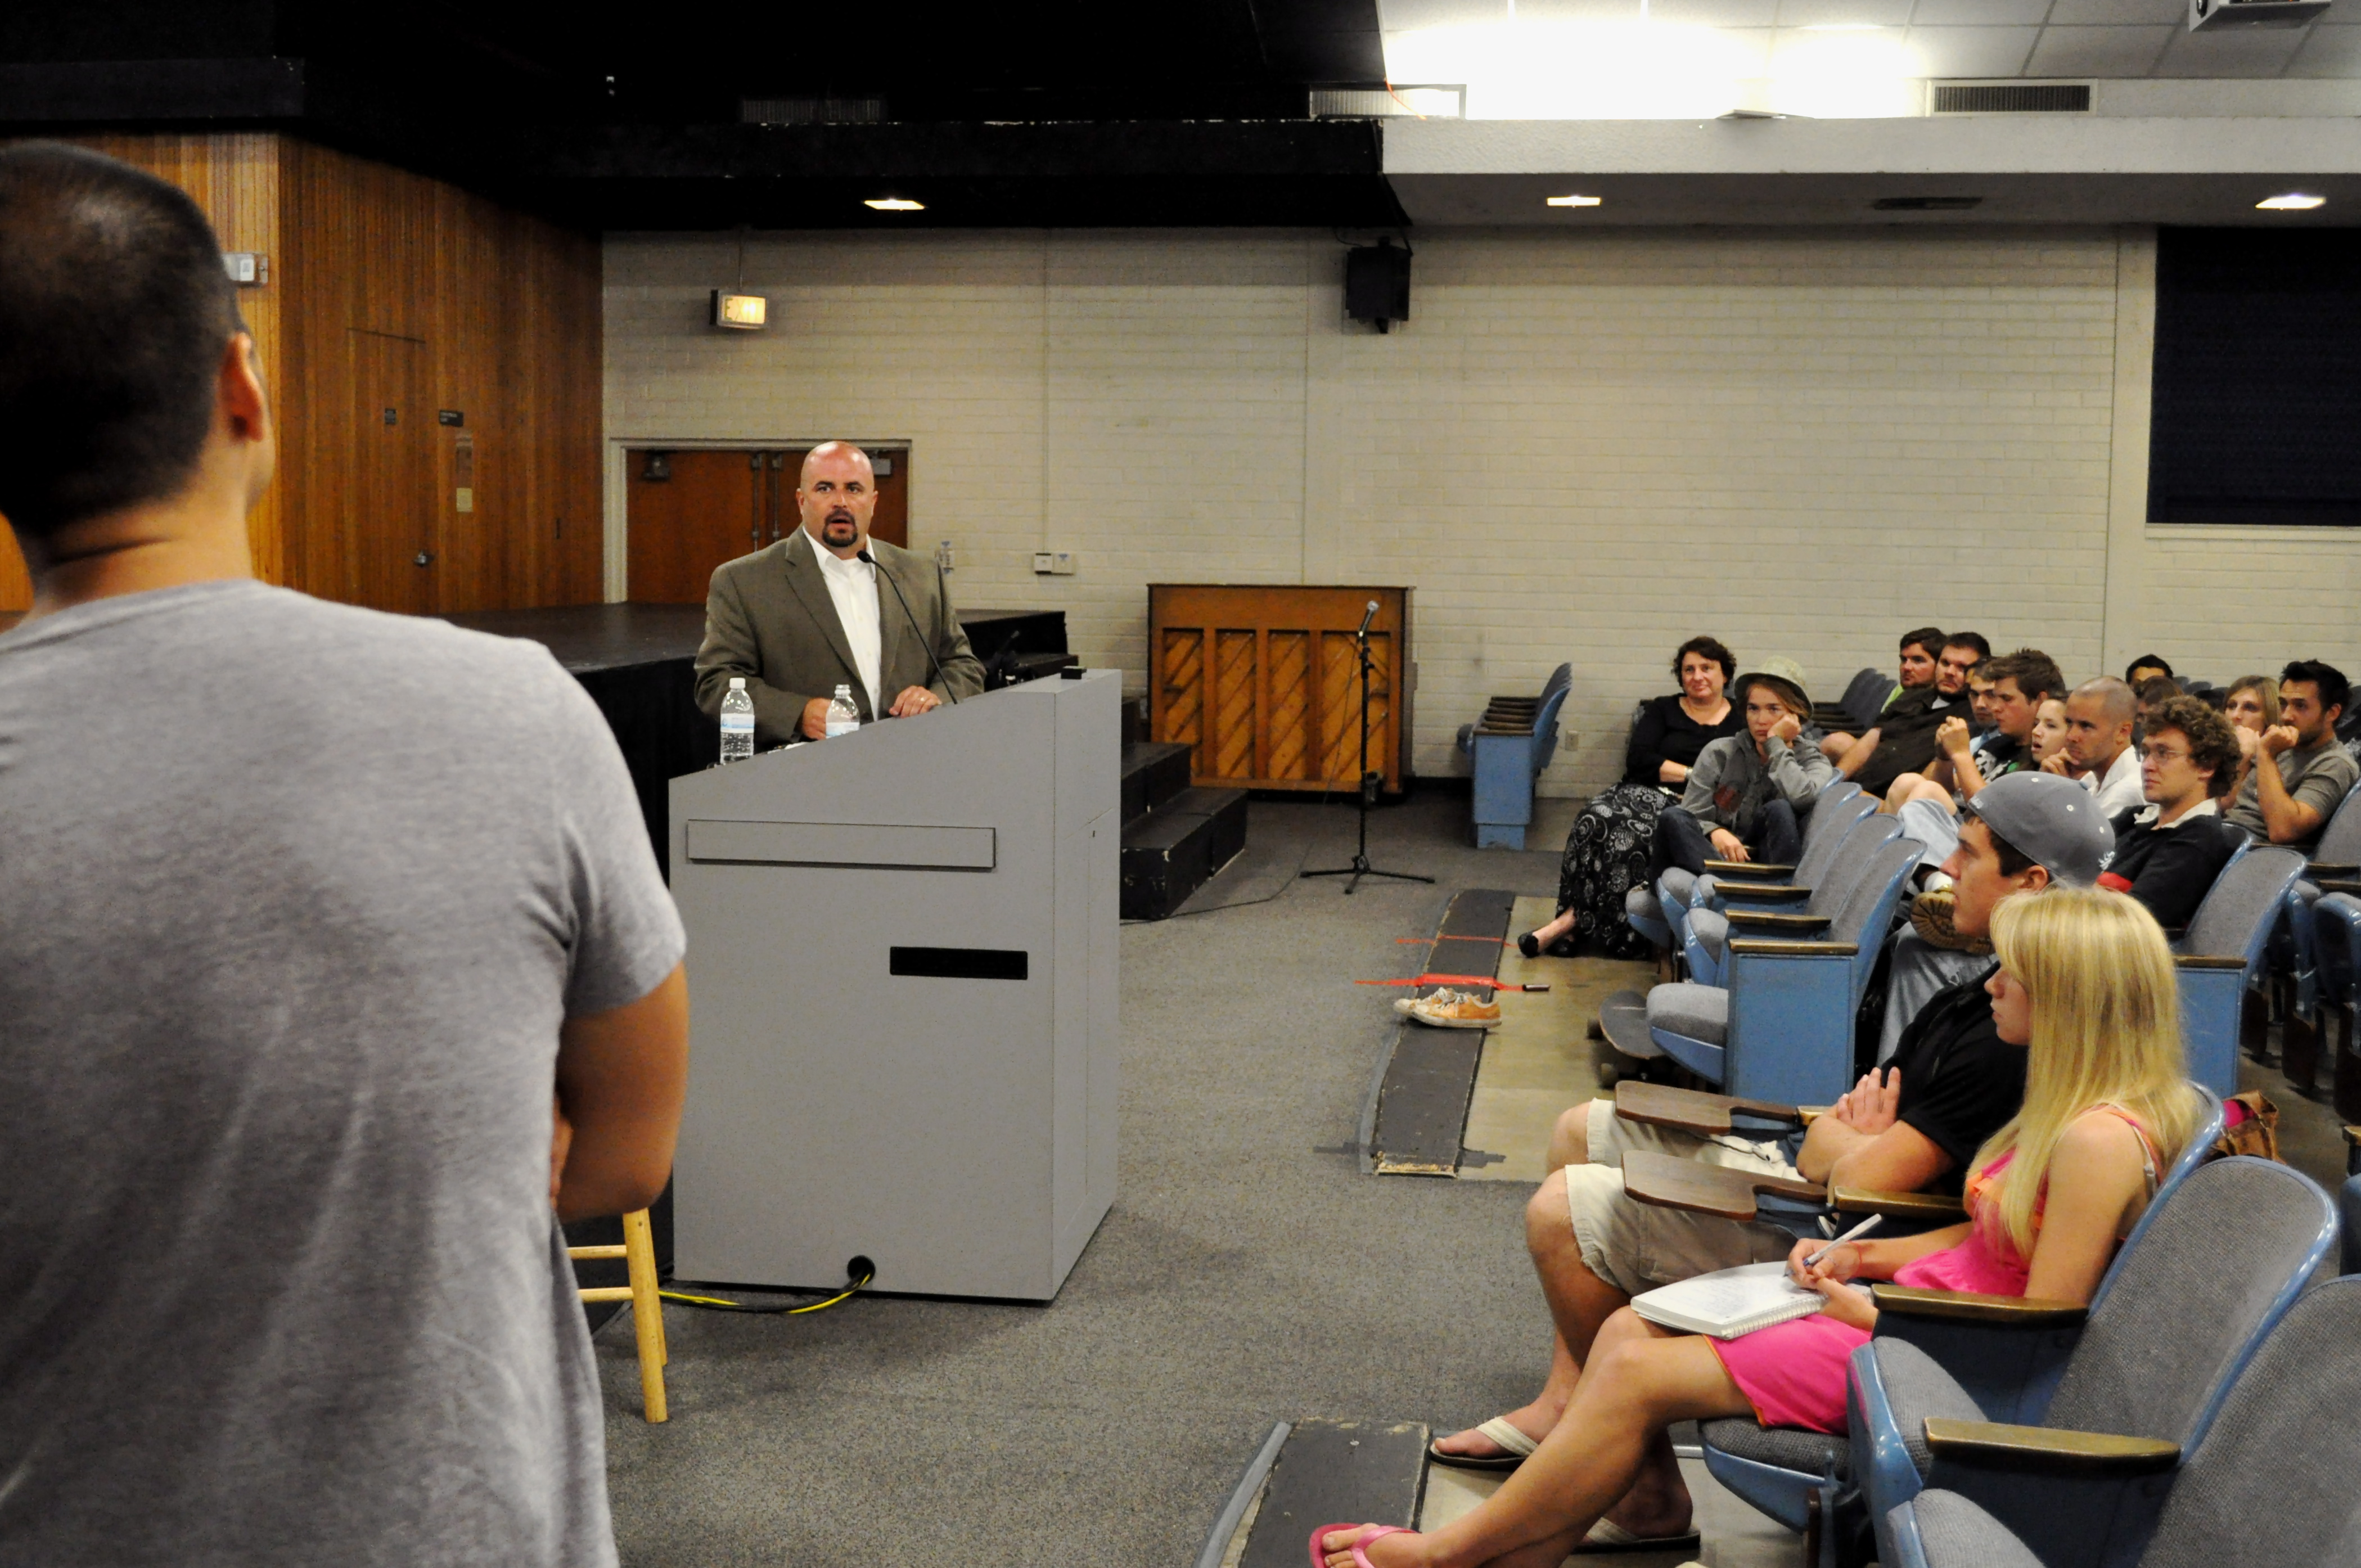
[806,615]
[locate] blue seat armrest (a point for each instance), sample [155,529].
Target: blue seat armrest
[2085,1496]
[1773,923]
[1739,894]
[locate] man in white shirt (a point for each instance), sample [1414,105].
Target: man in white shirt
[807,614]
[2099,719]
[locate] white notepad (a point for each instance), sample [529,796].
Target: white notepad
[1730,1302]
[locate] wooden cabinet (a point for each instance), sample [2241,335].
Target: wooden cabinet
[1263,683]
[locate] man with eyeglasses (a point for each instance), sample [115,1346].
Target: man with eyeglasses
[2167,853]
[2290,803]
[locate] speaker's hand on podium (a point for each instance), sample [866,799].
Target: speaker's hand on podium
[914,699]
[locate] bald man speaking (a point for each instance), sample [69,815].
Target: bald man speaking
[803,616]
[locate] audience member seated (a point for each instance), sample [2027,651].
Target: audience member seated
[2151,693]
[2085,985]
[2252,705]
[2168,855]
[1744,795]
[1920,651]
[2302,773]
[1903,738]
[1607,852]
[2099,719]
[1949,1086]
[2148,667]
[2048,731]
[1928,803]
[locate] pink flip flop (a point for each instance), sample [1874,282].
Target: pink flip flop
[1360,1558]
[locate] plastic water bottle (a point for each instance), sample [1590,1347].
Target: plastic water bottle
[737,722]
[844,716]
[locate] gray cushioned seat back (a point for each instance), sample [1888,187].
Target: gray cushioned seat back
[1806,1452]
[2184,1302]
[1957,1534]
[1849,864]
[2273,1482]
[1679,883]
[2340,842]
[1640,904]
[2230,922]
[1864,697]
[1824,834]
[1711,928]
[1876,892]
[1916,1386]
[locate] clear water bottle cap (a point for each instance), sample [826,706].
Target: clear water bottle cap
[737,683]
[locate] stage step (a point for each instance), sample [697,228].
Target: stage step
[1153,773]
[1173,851]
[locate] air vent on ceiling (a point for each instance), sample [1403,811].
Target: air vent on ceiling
[1925,203]
[2012,98]
[811,111]
[1431,103]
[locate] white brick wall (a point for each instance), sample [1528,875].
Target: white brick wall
[1581,447]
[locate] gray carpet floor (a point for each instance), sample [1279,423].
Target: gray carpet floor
[1248,1273]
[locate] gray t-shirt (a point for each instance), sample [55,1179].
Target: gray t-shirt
[2318,777]
[293,898]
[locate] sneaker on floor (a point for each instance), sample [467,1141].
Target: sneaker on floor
[1455,1010]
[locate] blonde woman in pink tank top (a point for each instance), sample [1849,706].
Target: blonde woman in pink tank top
[2086,984]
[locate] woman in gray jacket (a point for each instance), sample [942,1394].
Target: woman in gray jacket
[1742,799]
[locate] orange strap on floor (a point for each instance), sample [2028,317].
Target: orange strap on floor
[1483,980]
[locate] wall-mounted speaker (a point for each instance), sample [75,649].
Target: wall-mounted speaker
[1377,284]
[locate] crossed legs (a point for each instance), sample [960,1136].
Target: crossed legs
[1610,1445]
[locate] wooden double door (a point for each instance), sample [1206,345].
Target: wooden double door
[687,513]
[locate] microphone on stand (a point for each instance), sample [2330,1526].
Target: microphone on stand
[1367,616]
[932,662]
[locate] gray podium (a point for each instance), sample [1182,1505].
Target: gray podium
[902,990]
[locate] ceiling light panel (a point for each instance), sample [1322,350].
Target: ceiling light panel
[2292,201]
[895,204]
[1571,201]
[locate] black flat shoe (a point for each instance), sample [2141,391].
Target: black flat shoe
[1528,945]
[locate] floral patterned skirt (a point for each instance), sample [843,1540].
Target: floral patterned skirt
[1607,857]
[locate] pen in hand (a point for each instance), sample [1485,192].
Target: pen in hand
[1854,1234]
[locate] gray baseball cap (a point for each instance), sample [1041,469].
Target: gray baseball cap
[2054,820]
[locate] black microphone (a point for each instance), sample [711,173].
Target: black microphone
[932,662]
[1368,615]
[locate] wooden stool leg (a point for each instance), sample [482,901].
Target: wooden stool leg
[647,1311]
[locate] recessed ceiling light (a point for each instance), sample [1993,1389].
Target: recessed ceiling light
[1575,200]
[895,204]
[2293,202]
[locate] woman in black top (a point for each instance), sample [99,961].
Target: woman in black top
[1607,853]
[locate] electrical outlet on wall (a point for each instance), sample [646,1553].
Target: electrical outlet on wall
[1054,563]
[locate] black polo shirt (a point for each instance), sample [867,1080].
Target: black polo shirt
[1960,1080]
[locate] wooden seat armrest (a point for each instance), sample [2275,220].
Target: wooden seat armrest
[2352,889]
[1669,1183]
[2315,869]
[1969,1306]
[1772,920]
[1896,1205]
[1766,893]
[2203,960]
[1756,868]
[1691,1109]
[1758,947]
[2051,1451]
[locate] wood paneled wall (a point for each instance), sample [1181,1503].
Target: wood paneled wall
[475,309]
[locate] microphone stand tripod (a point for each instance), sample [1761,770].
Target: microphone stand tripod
[1361,867]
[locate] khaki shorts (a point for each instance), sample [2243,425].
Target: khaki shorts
[1637,1246]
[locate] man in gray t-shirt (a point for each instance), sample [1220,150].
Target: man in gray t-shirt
[308,915]
[2298,773]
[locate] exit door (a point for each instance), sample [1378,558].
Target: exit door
[687,513]
[389,510]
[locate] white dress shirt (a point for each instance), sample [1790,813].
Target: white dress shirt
[2120,790]
[852,586]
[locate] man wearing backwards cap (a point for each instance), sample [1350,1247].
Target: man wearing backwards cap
[1952,1085]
